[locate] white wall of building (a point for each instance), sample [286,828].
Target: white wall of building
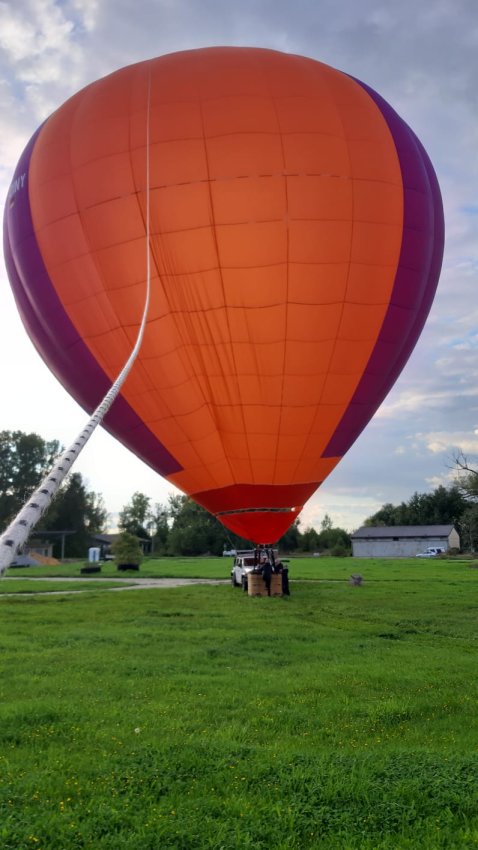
[403,547]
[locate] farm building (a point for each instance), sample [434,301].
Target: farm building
[105,542]
[402,541]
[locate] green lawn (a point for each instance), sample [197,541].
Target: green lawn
[191,718]
[384,569]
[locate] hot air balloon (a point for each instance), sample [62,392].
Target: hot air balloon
[296,238]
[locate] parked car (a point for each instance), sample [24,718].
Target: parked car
[431,552]
[245,562]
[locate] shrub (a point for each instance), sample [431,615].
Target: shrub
[127,550]
[340,552]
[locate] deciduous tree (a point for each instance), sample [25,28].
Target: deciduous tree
[194,530]
[136,516]
[443,506]
[24,460]
[77,510]
[466,477]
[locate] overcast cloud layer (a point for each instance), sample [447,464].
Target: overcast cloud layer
[423,58]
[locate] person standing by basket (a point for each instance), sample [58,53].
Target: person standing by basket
[267,575]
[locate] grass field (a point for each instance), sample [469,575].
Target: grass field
[197,717]
[384,569]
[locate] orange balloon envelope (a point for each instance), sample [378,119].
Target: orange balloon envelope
[296,243]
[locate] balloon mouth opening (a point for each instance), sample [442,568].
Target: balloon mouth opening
[259,513]
[261,526]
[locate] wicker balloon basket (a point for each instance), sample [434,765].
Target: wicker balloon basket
[256,585]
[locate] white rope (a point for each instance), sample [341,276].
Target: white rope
[20,528]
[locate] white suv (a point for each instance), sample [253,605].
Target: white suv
[431,552]
[245,562]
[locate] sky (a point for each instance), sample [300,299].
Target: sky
[423,58]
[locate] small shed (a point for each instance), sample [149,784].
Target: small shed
[39,547]
[402,541]
[105,542]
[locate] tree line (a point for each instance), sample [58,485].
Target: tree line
[181,527]
[24,461]
[454,505]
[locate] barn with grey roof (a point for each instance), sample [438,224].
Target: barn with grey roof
[402,541]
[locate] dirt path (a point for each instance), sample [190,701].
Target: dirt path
[129,584]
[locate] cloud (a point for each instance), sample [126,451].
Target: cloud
[42,52]
[439,441]
[34,32]
[86,14]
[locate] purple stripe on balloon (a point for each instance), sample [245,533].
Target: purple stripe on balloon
[55,336]
[415,283]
